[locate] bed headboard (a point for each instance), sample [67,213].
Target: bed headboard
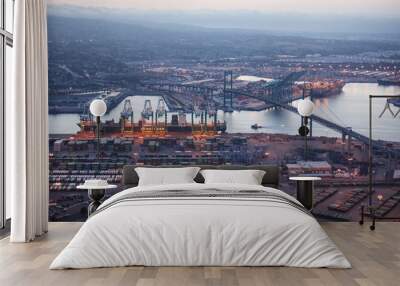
[271,177]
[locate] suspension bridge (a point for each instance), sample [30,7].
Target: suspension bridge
[277,93]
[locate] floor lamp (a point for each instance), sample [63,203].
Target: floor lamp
[371,210]
[98,108]
[305,108]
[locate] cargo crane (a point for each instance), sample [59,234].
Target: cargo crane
[212,112]
[200,109]
[127,112]
[182,118]
[160,112]
[86,122]
[147,112]
[126,115]
[86,115]
[196,107]
[204,110]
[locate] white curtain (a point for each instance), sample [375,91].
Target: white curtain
[27,148]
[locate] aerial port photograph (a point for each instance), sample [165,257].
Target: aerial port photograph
[204,88]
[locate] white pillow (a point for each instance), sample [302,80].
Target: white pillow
[166,176]
[248,177]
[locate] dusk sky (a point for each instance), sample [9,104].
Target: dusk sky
[370,7]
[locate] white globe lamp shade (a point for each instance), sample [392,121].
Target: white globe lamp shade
[98,107]
[305,107]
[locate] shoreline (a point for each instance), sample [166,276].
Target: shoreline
[169,99]
[241,134]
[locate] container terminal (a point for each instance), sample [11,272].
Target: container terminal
[73,160]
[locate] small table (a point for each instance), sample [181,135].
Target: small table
[305,189]
[96,194]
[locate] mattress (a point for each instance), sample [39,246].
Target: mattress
[201,225]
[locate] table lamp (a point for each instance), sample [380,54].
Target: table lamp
[98,108]
[305,108]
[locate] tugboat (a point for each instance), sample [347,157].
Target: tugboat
[255,126]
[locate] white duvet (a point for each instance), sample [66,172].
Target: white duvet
[202,232]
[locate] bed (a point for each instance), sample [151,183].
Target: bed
[197,224]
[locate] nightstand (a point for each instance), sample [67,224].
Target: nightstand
[305,189]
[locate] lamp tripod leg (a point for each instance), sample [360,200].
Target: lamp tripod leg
[361,222]
[98,136]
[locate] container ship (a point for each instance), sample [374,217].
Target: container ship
[154,123]
[326,88]
[111,126]
[395,102]
[388,81]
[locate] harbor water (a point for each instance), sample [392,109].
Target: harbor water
[349,109]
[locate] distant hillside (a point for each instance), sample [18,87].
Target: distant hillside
[331,24]
[129,41]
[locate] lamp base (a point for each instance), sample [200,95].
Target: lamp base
[304,130]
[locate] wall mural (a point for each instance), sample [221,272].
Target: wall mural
[195,84]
